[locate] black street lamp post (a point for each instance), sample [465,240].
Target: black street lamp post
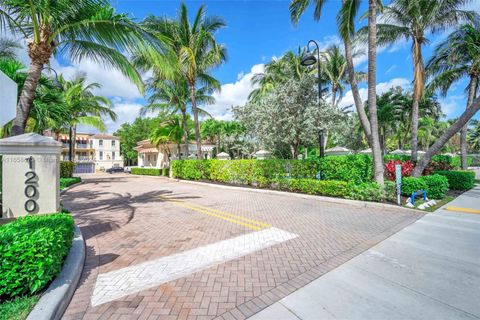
[308,60]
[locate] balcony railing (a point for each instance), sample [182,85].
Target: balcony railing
[77,146]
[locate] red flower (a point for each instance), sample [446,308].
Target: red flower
[407,169]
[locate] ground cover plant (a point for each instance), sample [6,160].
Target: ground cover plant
[32,252]
[67,182]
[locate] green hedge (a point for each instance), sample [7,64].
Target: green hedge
[66,169]
[459,179]
[67,182]
[412,184]
[32,251]
[147,171]
[436,185]
[351,168]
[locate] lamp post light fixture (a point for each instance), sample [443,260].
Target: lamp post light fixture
[309,59]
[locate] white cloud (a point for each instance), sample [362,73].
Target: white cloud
[113,82]
[233,94]
[126,112]
[451,104]
[347,99]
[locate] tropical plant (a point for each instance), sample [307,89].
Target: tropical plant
[8,48]
[474,136]
[413,20]
[279,71]
[456,57]
[170,130]
[79,30]
[84,107]
[192,52]
[288,116]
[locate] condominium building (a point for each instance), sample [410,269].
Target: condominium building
[93,152]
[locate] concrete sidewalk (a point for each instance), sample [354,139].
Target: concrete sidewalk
[429,270]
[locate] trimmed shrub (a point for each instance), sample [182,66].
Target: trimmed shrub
[436,185]
[395,157]
[412,184]
[147,171]
[459,179]
[316,187]
[367,191]
[67,182]
[32,251]
[66,169]
[354,168]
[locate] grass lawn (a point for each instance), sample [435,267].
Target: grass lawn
[17,309]
[440,203]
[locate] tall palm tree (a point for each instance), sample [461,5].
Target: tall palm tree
[346,28]
[456,57]
[80,29]
[173,96]
[372,92]
[192,51]
[334,66]
[84,107]
[8,48]
[413,20]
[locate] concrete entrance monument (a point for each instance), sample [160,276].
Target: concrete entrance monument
[30,175]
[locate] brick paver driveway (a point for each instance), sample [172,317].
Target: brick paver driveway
[160,249]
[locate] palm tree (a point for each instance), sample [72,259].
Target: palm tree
[8,48]
[192,52]
[81,29]
[474,136]
[456,57]
[372,94]
[346,28]
[84,107]
[279,71]
[413,20]
[174,97]
[170,130]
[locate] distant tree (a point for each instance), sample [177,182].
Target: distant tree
[413,20]
[131,133]
[457,57]
[290,114]
[474,136]
[8,48]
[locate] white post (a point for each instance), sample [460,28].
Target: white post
[30,175]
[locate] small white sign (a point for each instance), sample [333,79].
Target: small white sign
[8,99]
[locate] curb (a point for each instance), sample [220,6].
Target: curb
[356,203]
[70,187]
[55,300]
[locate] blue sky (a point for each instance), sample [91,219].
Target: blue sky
[257,31]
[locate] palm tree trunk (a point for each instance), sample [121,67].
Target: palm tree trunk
[418,85]
[334,93]
[356,95]
[74,142]
[27,95]
[472,88]
[451,131]
[195,121]
[372,94]
[185,132]
[70,149]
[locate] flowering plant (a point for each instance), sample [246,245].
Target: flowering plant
[407,169]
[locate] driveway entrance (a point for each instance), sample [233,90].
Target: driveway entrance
[160,249]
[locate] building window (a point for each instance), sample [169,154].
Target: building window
[101,154]
[154,158]
[113,143]
[100,143]
[113,155]
[148,158]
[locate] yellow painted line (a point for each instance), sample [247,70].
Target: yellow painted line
[183,204]
[238,217]
[460,209]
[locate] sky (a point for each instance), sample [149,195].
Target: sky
[256,32]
